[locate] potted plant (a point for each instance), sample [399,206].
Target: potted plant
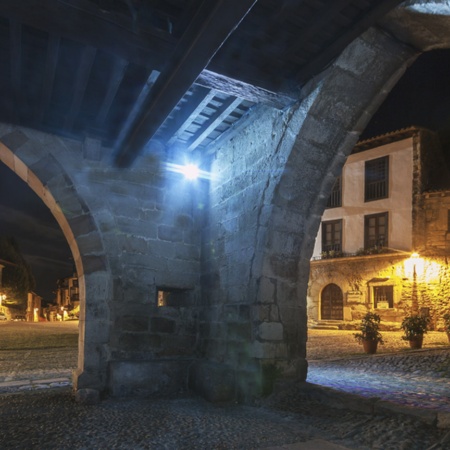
[447,325]
[369,335]
[414,327]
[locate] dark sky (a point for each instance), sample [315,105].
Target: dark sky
[422,98]
[24,216]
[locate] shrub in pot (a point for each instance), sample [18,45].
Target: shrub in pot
[414,327]
[369,333]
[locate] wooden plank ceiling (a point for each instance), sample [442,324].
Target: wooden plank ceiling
[180,72]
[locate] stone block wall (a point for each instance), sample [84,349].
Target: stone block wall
[132,232]
[422,285]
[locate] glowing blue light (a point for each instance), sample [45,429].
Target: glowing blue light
[190,171]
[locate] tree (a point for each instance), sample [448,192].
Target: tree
[17,275]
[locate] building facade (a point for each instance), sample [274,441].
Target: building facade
[382,242]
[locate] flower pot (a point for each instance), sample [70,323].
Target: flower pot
[416,341]
[370,347]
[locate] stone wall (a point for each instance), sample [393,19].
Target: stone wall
[419,285]
[436,207]
[131,232]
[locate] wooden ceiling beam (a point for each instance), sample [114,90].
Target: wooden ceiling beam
[319,20]
[245,91]
[83,72]
[49,77]
[15,33]
[115,81]
[211,26]
[213,122]
[187,114]
[82,22]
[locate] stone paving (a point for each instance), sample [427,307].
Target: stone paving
[412,378]
[39,413]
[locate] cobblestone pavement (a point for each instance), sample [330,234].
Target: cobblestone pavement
[418,378]
[297,416]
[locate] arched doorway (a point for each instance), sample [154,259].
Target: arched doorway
[332,303]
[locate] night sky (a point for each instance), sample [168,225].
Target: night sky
[24,216]
[422,98]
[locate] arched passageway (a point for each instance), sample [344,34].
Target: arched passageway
[237,251]
[42,172]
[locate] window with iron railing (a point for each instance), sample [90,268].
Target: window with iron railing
[376,182]
[376,230]
[332,236]
[335,199]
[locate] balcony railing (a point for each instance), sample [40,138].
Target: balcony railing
[376,189]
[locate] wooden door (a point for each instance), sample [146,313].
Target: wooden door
[332,303]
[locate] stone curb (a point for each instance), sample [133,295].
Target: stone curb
[374,405]
[31,385]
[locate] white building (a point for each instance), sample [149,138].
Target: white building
[374,221]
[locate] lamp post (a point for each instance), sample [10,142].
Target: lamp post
[414,299]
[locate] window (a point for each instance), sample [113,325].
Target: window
[332,236]
[335,197]
[383,296]
[376,179]
[173,297]
[376,230]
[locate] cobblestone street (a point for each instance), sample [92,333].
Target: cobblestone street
[36,357]
[31,352]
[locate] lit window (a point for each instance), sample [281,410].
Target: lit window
[376,231]
[332,236]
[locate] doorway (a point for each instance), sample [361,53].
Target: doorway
[332,303]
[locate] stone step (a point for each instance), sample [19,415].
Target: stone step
[325,324]
[324,327]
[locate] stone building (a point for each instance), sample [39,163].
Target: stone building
[67,293]
[382,243]
[196,285]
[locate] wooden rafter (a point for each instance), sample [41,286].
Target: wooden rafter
[16,74]
[83,22]
[243,90]
[222,113]
[49,76]
[208,30]
[113,86]
[83,72]
[185,116]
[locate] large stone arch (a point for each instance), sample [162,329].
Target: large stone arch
[340,103]
[270,186]
[33,157]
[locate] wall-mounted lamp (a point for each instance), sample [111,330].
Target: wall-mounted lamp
[189,171]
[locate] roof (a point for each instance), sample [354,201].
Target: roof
[176,72]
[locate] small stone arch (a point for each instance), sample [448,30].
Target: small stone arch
[331,303]
[31,155]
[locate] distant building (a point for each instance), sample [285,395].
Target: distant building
[385,234]
[67,293]
[34,307]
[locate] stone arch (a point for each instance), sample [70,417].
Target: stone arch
[338,106]
[331,302]
[32,156]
